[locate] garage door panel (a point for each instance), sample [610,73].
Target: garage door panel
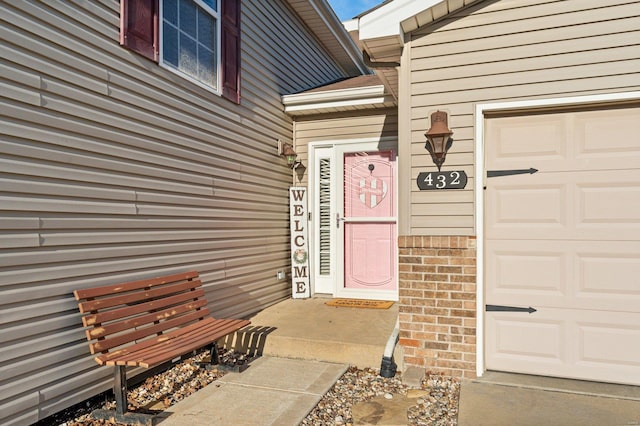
[586,140]
[610,275]
[612,201]
[607,138]
[519,142]
[519,338]
[527,271]
[534,204]
[591,345]
[601,275]
[609,344]
[565,206]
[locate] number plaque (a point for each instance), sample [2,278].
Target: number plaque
[442,180]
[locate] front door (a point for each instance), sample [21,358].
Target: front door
[356,230]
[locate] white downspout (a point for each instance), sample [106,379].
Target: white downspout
[388,367]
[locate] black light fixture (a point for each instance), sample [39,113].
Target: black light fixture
[286,150]
[438,138]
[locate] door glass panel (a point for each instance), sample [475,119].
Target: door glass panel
[368,184]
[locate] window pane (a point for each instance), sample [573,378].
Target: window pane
[188,56]
[211,3]
[206,66]
[170,44]
[188,17]
[206,29]
[170,11]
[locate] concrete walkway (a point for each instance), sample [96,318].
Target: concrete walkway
[516,399]
[272,391]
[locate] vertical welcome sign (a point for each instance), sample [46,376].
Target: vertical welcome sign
[299,242]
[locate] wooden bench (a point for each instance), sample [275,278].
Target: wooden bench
[146,323]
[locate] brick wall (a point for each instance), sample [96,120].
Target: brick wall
[438,303]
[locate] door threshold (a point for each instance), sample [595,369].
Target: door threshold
[556,384]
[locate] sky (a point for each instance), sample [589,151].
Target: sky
[347,9]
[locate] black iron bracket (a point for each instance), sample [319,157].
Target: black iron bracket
[501,308]
[498,173]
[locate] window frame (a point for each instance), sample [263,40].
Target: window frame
[217,15]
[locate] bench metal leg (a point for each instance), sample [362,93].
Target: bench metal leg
[214,361]
[120,415]
[215,357]
[120,389]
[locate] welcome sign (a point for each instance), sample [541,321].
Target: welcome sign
[299,242]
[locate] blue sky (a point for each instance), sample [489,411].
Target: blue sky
[347,9]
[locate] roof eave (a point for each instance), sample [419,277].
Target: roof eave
[322,20]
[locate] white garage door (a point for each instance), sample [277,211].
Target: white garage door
[565,241]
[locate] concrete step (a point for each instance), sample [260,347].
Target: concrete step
[309,329]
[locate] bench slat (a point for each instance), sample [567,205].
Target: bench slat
[171,345]
[110,358]
[137,296]
[89,293]
[141,333]
[195,342]
[139,321]
[117,313]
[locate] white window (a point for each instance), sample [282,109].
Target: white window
[190,40]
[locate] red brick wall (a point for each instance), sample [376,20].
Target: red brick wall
[438,303]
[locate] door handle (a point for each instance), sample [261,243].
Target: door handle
[338,220]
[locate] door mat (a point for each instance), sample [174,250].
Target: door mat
[360,303]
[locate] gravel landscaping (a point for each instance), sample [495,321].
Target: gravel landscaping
[436,405]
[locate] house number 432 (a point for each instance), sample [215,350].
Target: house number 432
[442,180]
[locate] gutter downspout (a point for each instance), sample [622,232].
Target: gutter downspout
[388,367]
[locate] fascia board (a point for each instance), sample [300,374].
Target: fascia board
[337,30]
[338,104]
[385,21]
[346,95]
[351,25]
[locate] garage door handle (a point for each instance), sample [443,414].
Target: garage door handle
[498,173]
[500,308]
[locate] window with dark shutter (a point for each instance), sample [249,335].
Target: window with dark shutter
[231,50]
[197,39]
[139,27]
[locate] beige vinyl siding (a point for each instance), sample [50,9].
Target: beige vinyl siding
[113,169]
[508,51]
[339,127]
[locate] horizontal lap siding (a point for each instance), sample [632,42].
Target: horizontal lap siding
[342,126]
[113,169]
[508,51]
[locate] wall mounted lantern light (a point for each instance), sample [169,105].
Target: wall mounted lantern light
[286,151]
[438,138]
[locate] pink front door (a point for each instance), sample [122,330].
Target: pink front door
[369,222]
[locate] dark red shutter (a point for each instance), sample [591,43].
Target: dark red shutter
[231,50]
[139,27]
